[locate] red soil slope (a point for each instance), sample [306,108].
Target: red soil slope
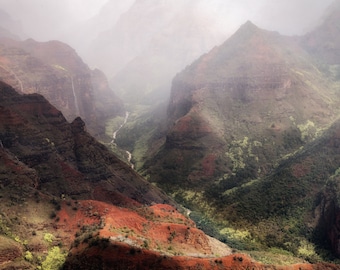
[155,237]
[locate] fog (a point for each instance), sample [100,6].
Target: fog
[47,19]
[145,43]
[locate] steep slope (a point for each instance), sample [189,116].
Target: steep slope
[39,136]
[54,70]
[296,207]
[66,201]
[154,40]
[44,158]
[235,112]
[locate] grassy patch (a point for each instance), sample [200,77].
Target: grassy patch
[275,256]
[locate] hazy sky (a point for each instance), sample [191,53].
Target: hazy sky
[47,19]
[291,16]
[79,9]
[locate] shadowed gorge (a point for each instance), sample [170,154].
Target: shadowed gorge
[68,201]
[146,134]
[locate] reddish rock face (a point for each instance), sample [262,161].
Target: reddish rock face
[101,209]
[66,159]
[54,70]
[44,157]
[248,101]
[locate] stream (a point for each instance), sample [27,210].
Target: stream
[114,136]
[75,97]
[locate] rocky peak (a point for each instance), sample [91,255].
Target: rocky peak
[250,62]
[244,95]
[248,26]
[249,50]
[78,125]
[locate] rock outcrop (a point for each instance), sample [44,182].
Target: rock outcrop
[40,137]
[54,70]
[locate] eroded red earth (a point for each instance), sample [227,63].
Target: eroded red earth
[155,237]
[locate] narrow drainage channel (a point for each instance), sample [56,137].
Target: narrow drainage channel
[114,136]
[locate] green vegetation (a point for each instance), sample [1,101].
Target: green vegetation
[48,237]
[275,256]
[273,216]
[28,256]
[308,130]
[54,259]
[139,133]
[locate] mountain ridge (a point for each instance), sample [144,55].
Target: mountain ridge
[237,117]
[252,142]
[42,67]
[68,202]
[253,89]
[27,121]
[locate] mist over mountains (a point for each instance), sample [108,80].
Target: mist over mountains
[148,134]
[117,36]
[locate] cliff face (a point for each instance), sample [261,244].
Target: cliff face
[54,70]
[242,107]
[241,119]
[65,157]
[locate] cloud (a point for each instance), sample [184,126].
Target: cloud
[290,17]
[50,19]
[47,19]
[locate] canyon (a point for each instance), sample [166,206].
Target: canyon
[59,204]
[235,168]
